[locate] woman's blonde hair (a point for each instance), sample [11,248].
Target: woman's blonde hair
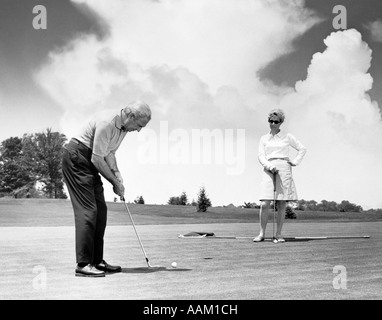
[278,113]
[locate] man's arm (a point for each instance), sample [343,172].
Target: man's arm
[104,169]
[112,163]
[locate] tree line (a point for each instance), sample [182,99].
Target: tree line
[324,205]
[30,167]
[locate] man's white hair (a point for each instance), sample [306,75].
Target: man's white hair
[139,109]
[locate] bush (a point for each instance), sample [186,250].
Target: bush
[289,213]
[4,194]
[249,205]
[174,201]
[139,200]
[27,191]
[179,201]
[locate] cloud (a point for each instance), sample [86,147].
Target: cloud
[196,64]
[218,40]
[333,114]
[197,48]
[375,29]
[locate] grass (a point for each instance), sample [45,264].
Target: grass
[207,268]
[47,212]
[40,233]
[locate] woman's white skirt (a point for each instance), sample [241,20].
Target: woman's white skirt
[285,187]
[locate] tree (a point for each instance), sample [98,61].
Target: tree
[13,171]
[34,158]
[203,201]
[174,201]
[48,157]
[301,205]
[327,206]
[331,205]
[139,200]
[346,206]
[179,201]
[31,159]
[311,205]
[183,199]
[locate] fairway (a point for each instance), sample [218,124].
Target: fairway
[208,269]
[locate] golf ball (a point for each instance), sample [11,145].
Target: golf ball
[174,264]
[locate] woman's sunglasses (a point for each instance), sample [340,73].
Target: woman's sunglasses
[273,121]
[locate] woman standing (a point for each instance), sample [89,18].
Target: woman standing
[274,157]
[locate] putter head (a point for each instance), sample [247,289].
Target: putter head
[155,267]
[150,266]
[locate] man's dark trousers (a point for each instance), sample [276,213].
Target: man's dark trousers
[86,194]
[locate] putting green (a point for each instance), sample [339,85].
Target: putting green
[38,263]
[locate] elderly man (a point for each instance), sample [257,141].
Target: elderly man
[87,155]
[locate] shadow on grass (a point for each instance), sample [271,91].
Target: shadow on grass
[153,269]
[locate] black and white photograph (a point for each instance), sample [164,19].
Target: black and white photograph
[192,155]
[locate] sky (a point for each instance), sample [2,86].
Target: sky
[210,70]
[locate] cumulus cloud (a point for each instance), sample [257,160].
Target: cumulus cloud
[338,122]
[176,54]
[196,63]
[375,29]
[218,40]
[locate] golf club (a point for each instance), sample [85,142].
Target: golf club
[136,232]
[274,206]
